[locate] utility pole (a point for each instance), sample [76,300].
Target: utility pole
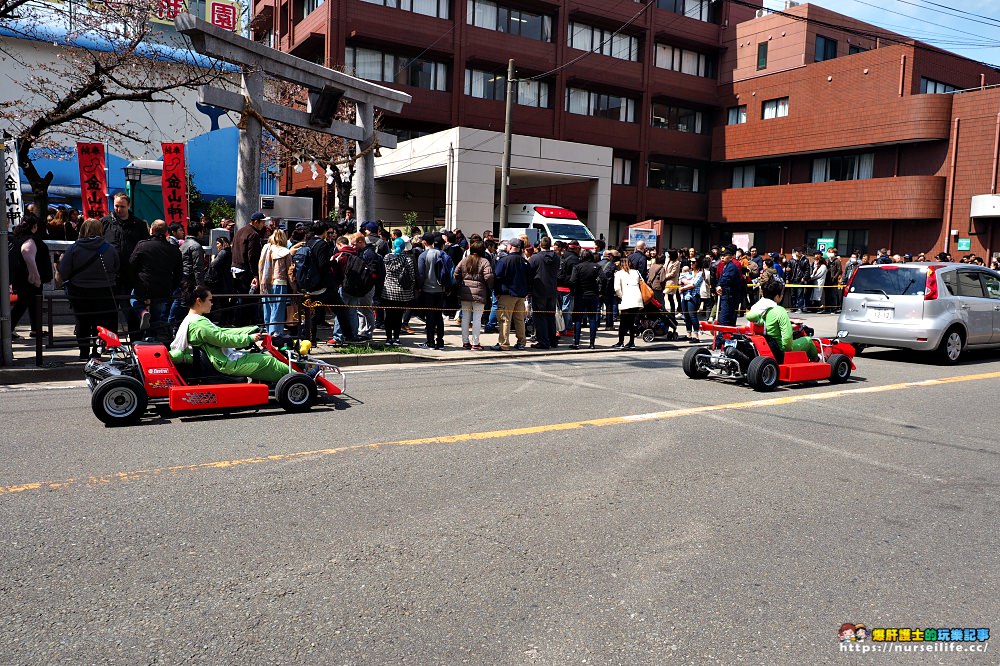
[505,162]
[6,339]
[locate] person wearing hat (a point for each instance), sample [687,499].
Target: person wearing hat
[247,245]
[512,281]
[730,288]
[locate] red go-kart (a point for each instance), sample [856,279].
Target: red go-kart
[745,353]
[142,374]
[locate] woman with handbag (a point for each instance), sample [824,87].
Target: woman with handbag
[629,293]
[89,270]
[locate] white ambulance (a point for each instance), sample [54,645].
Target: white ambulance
[556,222]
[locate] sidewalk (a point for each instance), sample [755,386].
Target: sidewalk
[62,363]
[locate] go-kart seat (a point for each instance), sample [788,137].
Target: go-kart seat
[201,371]
[776,351]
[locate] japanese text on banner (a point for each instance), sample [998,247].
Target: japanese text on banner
[174,184]
[12,185]
[93,179]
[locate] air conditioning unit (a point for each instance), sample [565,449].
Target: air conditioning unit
[295,209]
[790,3]
[761,12]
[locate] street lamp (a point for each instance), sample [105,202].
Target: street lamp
[132,177]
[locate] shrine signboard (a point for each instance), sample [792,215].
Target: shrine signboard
[174,185]
[93,179]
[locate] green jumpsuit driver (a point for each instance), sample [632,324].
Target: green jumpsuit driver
[213,340]
[779,326]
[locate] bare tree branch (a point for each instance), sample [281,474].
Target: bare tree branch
[77,94]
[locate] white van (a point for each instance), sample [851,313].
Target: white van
[556,222]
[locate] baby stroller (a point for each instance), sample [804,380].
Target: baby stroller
[652,323]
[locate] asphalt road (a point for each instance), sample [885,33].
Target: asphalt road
[599,510]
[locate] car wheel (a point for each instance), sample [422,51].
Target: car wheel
[951,347]
[692,368]
[296,392]
[648,335]
[762,373]
[119,401]
[858,348]
[840,368]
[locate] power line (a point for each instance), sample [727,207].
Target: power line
[909,16]
[960,11]
[883,36]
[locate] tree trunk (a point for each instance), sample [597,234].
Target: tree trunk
[39,184]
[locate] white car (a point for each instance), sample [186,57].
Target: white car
[945,308]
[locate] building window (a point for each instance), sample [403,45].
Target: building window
[678,118]
[599,105]
[605,42]
[533,93]
[762,56]
[685,61]
[935,87]
[826,48]
[674,177]
[854,48]
[490,15]
[756,175]
[737,115]
[309,6]
[843,167]
[435,8]
[485,85]
[378,66]
[702,10]
[847,240]
[493,86]
[621,171]
[775,108]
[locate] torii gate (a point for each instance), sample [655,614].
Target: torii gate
[326,87]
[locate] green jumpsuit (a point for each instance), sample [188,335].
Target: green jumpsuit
[212,340]
[779,326]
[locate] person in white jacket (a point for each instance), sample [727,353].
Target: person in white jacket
[630,302]
[273,271]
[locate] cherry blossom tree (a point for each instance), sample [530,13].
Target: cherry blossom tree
[111,55]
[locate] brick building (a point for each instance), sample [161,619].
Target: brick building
[829,132]
[650,94]
[794,126]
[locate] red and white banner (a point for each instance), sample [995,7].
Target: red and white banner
[174,184]
[93,179]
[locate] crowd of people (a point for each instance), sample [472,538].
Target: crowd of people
[370,279]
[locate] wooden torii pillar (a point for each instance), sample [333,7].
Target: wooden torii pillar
[326,87]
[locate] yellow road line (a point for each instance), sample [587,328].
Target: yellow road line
[136,475]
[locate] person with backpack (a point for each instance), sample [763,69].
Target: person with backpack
[363,279]
[435,275]
[88,270]
[398,290]
[344,257]
[316,275]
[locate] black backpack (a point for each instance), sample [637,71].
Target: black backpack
[308,272]
[359,278]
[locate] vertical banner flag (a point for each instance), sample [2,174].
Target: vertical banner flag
[175,208]
[93,179]
[12,185]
